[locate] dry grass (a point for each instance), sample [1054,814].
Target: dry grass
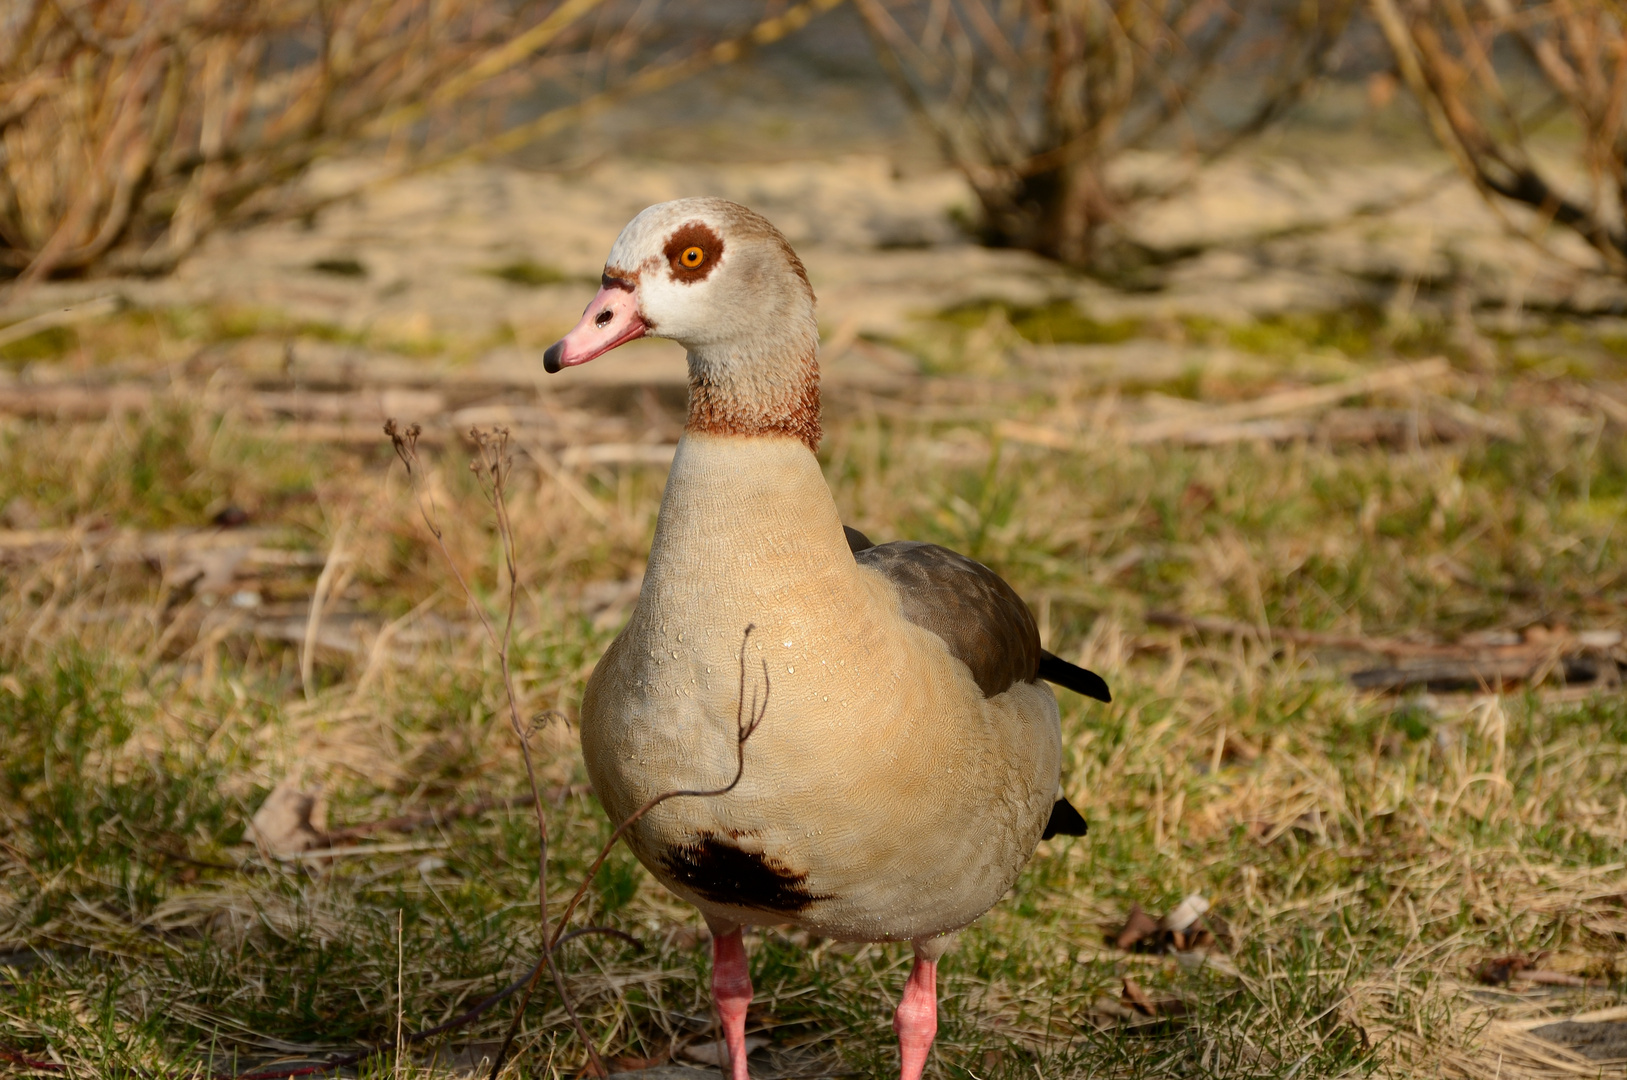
[1365,854]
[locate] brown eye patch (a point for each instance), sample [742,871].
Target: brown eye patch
[692,251]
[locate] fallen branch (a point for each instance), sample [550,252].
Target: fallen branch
[1583,657]
[1559,978]
[1268,418]
[1589,640]
[131,545]
[50,320]
[74,402]
[1471,673]
[1511,969]
[1285,402]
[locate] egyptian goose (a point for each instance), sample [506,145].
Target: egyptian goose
[908,762]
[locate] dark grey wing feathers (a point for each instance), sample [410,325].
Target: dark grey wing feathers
[856,540]
[985,624]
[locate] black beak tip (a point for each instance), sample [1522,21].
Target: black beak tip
[551,359]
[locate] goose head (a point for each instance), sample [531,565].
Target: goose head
[725,284]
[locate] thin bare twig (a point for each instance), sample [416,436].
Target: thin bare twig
[746,721]
[1444,53]
[491,466]
[1034,101]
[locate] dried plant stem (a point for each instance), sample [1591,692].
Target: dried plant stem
[746,721]
[491,466]
[313,620]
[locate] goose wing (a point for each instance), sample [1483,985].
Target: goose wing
[982,619]
[984,623]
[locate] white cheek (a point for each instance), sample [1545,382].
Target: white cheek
[677,310]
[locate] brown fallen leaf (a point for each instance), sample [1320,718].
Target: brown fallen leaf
[1499,971]
[1182,930]
[1193,940]
[290,820]
[1139,1000]
[1137,926]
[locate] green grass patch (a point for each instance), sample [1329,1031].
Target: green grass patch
[1057,322]
[529,274]
[340,266]
[48,344]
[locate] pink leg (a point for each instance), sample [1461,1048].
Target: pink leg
[917,1018]
[731,991]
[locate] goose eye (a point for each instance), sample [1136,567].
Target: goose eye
[692,257]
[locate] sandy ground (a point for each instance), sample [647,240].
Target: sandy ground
[1290,227]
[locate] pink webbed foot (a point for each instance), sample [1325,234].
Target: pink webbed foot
[731,992]
[916,1021]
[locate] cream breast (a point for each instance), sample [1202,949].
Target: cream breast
[876,748]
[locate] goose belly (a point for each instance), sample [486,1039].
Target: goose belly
[882,797]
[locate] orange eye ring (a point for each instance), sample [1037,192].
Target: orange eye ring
[692,257]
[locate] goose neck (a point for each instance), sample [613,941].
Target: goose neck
[756,391]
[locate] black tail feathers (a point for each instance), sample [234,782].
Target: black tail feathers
[1052,668]
[1065,821]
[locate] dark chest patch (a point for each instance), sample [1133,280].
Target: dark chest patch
[983,621]
[723,872]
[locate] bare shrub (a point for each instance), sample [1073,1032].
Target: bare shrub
[1493,74]
[129,129]
[1034,101]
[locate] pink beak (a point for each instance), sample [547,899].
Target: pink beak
[611,319]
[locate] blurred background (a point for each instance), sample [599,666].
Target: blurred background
[1275,350]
